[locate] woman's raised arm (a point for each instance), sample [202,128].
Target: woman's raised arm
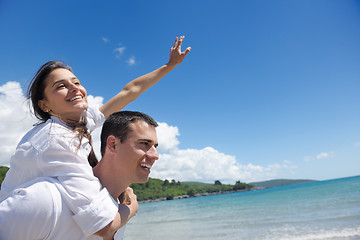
[139,85]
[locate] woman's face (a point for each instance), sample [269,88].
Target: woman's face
[64,95]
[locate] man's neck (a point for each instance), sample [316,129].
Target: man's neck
[112,183]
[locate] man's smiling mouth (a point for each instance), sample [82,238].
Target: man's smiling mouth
[146,166]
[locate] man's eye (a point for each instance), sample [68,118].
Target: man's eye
[145,144]
[60,86]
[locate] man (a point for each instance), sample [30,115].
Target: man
[37,210]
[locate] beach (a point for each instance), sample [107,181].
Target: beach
[319,210]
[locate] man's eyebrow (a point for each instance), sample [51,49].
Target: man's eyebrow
[149,141]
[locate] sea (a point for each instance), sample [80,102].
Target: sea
[312,211]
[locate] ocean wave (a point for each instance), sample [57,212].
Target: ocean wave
[333,234]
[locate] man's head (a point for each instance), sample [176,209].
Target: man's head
[128,142]
[117,124]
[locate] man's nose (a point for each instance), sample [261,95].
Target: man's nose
[152,153]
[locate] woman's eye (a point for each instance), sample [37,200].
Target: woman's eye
[60,86]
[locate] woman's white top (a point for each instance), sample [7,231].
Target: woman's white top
[52,150]
[38,211]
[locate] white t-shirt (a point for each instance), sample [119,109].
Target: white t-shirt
[38,211]
[52,150]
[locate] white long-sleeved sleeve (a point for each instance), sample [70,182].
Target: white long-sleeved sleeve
[52,150]
[93,207]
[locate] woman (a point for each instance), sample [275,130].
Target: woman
[60,145]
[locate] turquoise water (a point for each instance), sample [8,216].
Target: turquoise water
[319,210]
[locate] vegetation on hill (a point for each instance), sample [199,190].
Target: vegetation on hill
[166,190]
[3,171]
[279,182]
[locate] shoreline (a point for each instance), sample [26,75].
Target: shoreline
[198,195]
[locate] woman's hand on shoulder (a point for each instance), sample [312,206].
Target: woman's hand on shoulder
[131,201]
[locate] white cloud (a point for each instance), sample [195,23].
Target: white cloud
[15,119]
[131,61]
[95,101]
[206,165]
[119,51]
[167,137]
[323,155]
[105,40]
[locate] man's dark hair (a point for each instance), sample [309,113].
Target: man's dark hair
[117,124]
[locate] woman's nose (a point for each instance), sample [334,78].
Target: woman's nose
[74,87]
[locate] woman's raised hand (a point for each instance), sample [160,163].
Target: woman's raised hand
[176,56]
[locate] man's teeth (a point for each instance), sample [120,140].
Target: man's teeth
[144,165]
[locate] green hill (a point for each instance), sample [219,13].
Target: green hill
[156,189]
[279,182]
[196,183]
[3,171]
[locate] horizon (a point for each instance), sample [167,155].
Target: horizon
[262,181]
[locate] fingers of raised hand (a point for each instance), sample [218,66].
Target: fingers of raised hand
[175,43]
[187,50]
[178,42]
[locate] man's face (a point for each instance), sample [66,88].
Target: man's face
[137,153]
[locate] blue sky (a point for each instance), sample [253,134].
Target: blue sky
[272,87]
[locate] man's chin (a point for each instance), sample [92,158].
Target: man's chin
[144,180]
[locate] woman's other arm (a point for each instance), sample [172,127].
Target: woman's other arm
[126,211]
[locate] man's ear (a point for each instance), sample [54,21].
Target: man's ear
[111,143]
[42,105]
